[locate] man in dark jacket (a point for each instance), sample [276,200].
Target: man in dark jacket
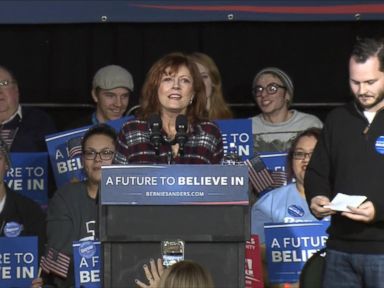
[349,159]
[22,128]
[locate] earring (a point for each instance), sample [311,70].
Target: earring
[190,101]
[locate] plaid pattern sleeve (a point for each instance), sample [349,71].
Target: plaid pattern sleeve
[204,146]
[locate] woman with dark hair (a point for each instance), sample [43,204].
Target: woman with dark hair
[72,212]
[278,205]
[287,203]
[173,90]
[216,105]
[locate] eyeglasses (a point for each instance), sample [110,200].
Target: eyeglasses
[105,154]
[301,155]
[6,83]
[271,89]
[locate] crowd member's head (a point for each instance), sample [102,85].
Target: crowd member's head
[186,274]
[9,94]
[272,90]
[300,153]
[216,105]
[174,86]
[366,72]
[98,148]
[111,88]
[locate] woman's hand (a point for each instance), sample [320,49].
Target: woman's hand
[37,283]
[153,273]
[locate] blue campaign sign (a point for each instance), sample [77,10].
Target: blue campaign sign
[276,164]
[238,131]
[18,261]
[275,161]
[64,151]
[86,259]
[174,185]
[28,175]
[289,245]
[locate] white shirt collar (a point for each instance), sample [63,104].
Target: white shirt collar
[18,112]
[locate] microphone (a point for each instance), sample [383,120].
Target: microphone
[154,123]
[181,132]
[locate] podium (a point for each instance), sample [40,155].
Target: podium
[204,205]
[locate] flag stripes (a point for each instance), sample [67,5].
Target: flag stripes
[258,174]
[55,262]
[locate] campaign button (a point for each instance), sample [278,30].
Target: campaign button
[379,144]
[12,229]
[295,211]
[87,249]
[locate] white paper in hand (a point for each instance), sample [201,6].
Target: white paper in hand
[341,201]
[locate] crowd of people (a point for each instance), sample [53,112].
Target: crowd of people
[180,100]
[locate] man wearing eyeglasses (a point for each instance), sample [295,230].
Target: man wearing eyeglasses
[276,126]
[349,159]
[22,128]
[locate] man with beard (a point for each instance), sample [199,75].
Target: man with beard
[349,159]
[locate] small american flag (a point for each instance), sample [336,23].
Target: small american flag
[74,147]
[55,262]
[258,174]
[279,178]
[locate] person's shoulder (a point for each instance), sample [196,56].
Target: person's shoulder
[23,201]
[135,124]
[208,126]
[344,112]
[256,119]
[275,194]
[29,112]
[302,116]
[85,120]
[282,190]
[69,191]
[36,117]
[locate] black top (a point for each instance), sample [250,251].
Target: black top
[86,120]
[348,159]
[31,130]
[22,210]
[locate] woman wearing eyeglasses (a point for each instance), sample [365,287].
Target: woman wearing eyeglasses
[276,125]
[287,203]
[72,212]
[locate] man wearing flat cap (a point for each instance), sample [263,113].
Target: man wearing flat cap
[112,86]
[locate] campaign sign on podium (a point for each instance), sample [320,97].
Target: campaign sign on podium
[174,185]
[205,206]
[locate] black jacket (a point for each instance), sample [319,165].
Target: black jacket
[348,159]
[20,209]
[31,130]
